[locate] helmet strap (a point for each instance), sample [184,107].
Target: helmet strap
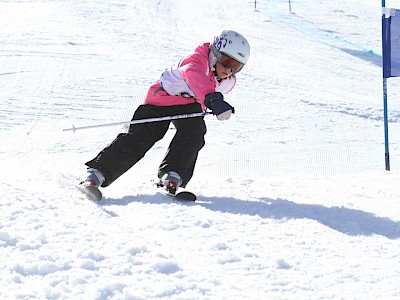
[216,74]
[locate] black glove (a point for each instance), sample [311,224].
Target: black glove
[220,108]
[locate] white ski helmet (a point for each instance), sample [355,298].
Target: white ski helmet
[232,44]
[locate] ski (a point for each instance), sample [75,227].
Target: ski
[182,196]
[92,192]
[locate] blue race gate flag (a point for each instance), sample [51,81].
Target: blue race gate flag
[391,43]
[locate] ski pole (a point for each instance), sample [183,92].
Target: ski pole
[168,118]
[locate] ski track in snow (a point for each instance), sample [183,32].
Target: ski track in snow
[293,199]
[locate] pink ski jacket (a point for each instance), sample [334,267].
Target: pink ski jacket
[188,81]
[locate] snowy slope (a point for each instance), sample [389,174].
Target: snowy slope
[294,202]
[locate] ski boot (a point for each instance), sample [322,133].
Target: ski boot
[170,181]
[90,186]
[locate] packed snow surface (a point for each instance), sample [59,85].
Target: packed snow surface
[294,201]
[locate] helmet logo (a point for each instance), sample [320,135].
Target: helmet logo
[221,43]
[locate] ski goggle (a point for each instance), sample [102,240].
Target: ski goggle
[228,63]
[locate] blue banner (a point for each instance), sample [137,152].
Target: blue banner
[391,43]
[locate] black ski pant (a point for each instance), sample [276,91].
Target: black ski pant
[128,148]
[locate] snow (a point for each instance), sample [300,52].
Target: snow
[294,200]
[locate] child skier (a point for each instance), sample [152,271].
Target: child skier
[197,82]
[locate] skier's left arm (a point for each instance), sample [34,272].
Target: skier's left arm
[195,71]
[222,109]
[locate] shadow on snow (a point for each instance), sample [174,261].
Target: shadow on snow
[345,220]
